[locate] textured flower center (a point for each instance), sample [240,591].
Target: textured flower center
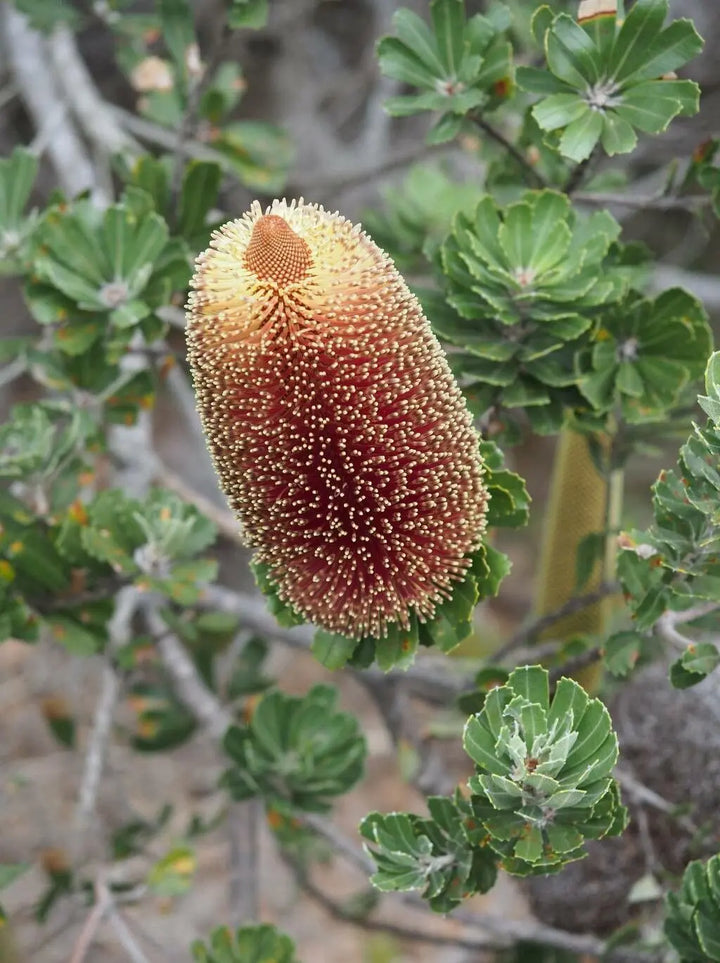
[276,253]
[449,87]
[602,95]
[114,293]
[628,350]
[524,276]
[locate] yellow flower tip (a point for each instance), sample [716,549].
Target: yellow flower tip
[276,253]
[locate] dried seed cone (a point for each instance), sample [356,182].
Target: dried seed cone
[338,432]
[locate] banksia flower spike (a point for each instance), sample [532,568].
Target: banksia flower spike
[336,427]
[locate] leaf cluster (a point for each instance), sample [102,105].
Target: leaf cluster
[458,65]
[522,284]
[295,752]
[674,565]
[609,75]
[442,855]
[692,924]
[249,944]
[543,784]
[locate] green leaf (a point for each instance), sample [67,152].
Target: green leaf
[516,234]
[673,48]
[577,48]
[259,153]
[178,29]
[401,63]
[537,81]
[152,176]
[46,15]
[62,726]
[332,650]
[618,137]
[200,186]
[248,14]
[581,135]
[17,176]
[640,28]
[535,758]
[695,664]
[132,245]
[710,403]
[73,636]
[692,913]
[283,612]
[452,621]
[550,234]
[173,874]
[571,64]
[251,944]
[397,648]
[531,682]
[446,128]
[559,110]
[621,652]
[296,752]
[448,20]
[415,34]
[712,376]
[648,107]
[541,22]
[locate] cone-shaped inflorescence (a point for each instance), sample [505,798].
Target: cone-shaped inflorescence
[339,434]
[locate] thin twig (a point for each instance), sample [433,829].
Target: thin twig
[666,625]
[529,633]
[27,54]
[210,713]
[152,133]
[337,911]
[332,186]
[658,202]
[490,932]
[11,371]
[244,828]
[226,523]
[97,745]
[648,796]
[507,145]
[97,121]
[580,172]
[577,662]
[125,936]
[91,925]
[339,843]
[119,630]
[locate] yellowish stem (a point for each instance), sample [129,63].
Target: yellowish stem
[581,503]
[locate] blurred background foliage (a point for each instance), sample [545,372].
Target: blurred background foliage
[129,131]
